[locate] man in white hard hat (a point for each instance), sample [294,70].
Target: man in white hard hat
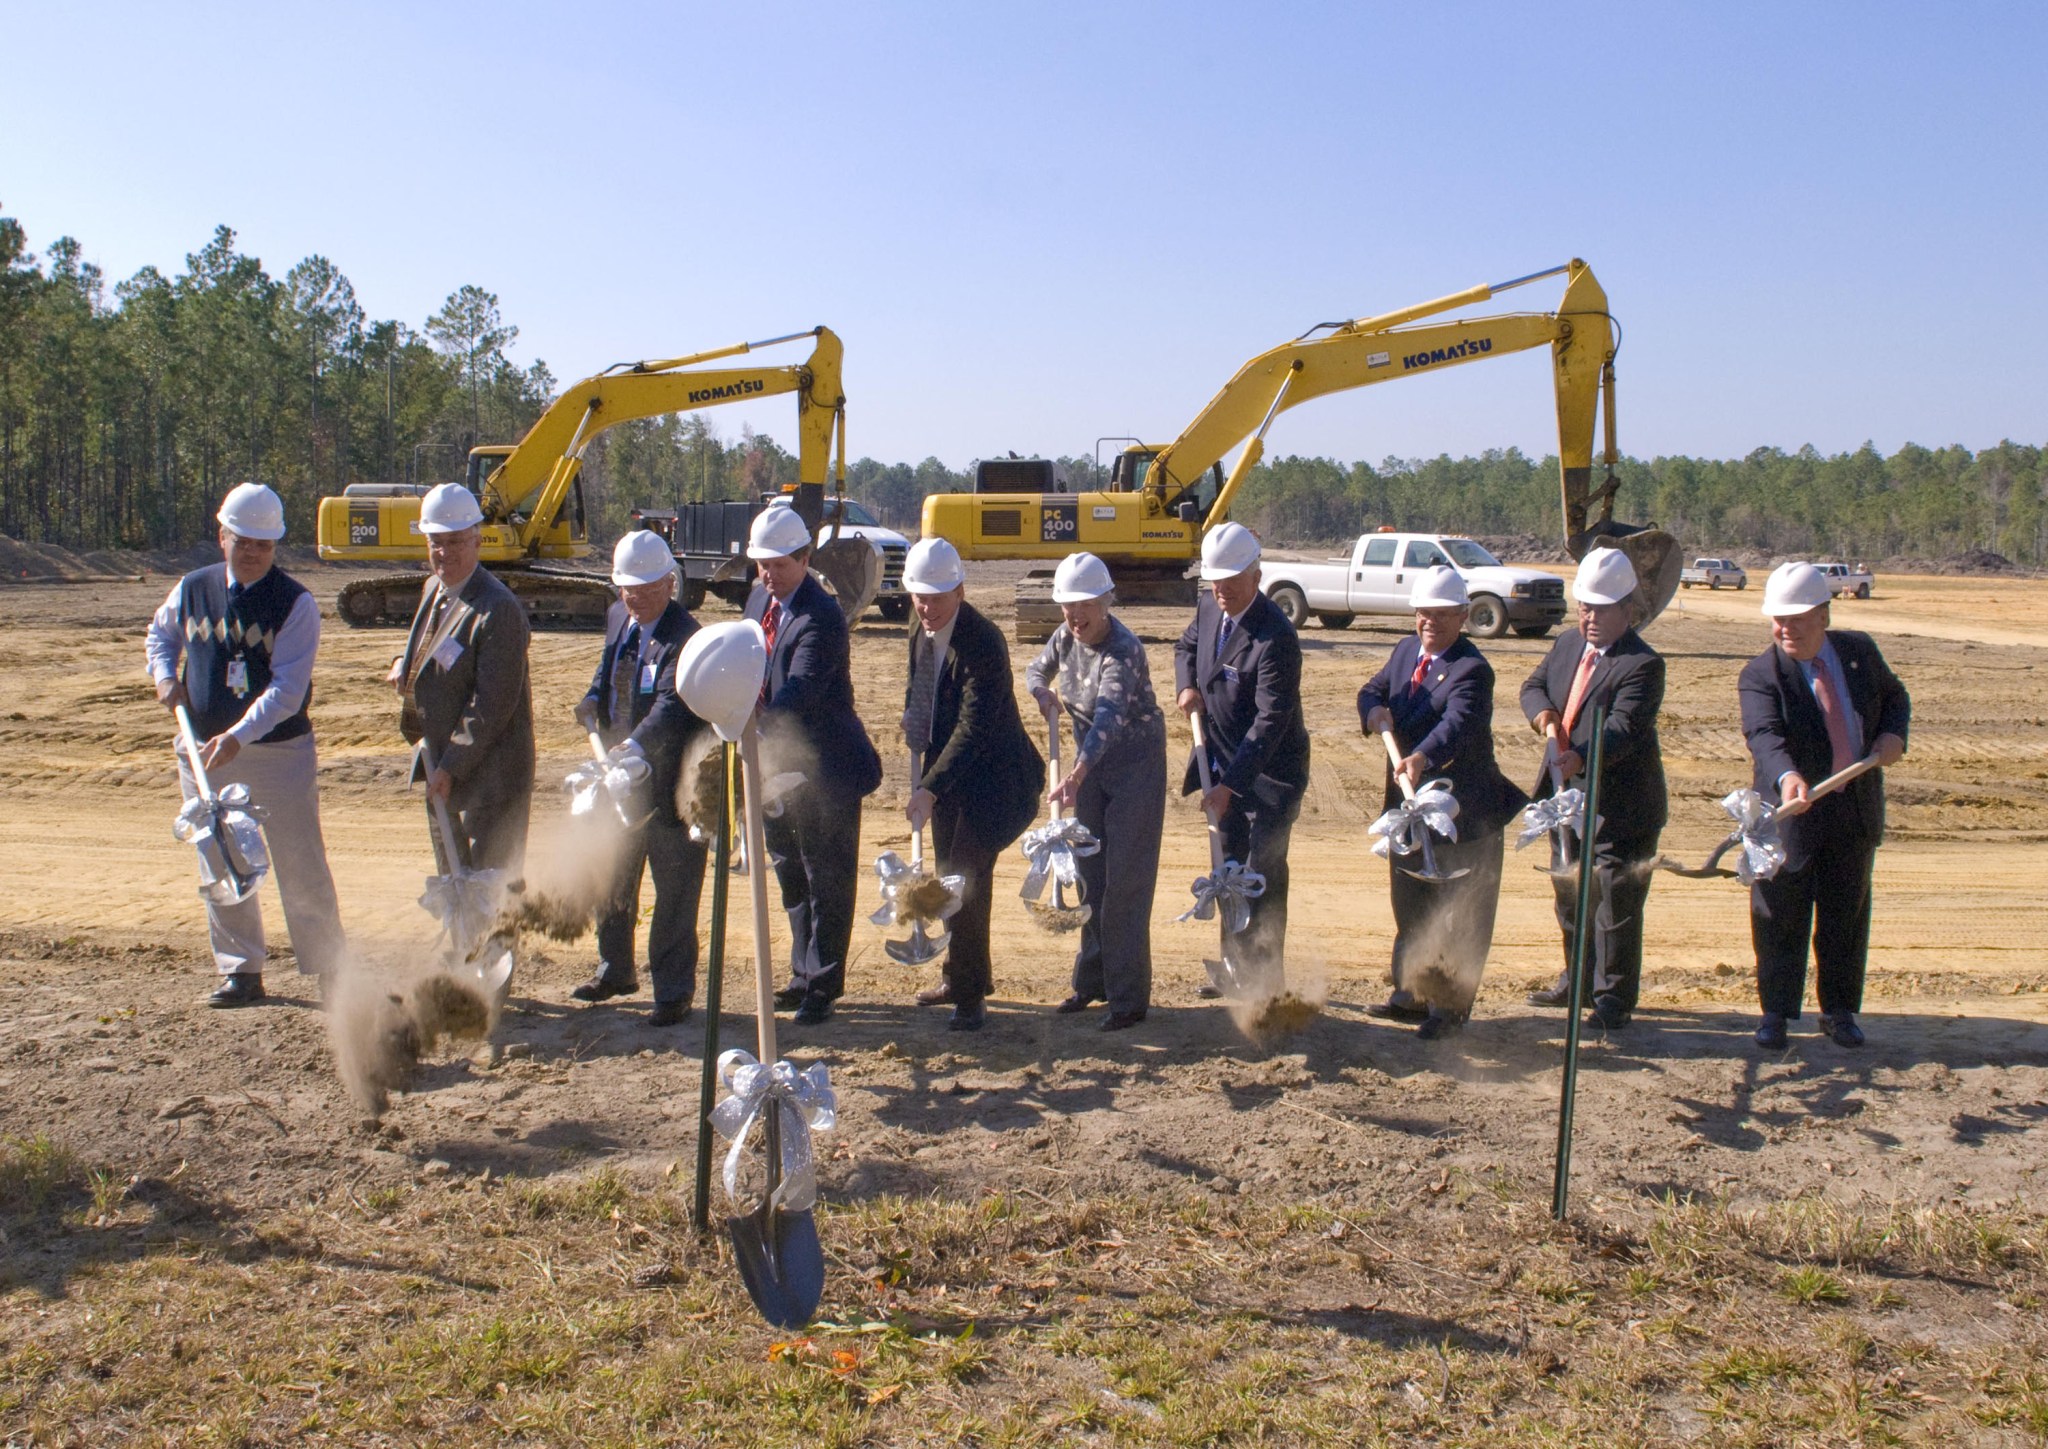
[809,724]
[1094,669]
[977,775]
[1239,666]
[247,633]
[1603,663]
[1813,704]
[1435,695]
[632,706]
[463,677]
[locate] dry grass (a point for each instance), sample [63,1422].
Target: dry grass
[585,1310]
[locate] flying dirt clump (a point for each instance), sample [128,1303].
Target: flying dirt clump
[379,1036]
[1270,1018]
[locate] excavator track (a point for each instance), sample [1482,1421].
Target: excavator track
[555,599]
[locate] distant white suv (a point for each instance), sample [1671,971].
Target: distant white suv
[1844,579]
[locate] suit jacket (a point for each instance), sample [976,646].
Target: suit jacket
[476,710]
[1786,731]
[1251,696]
[660,723]
[1629,682]
[979,750]
[1449,722]
[810,689]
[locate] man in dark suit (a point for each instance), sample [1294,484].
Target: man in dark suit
[809,724]
[1435,694]
[979,774]
[1239,666]
[1604,662]
[632,706]
[464,677]
[1814,703]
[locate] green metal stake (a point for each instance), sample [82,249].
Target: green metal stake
[714,983]
[1581,929]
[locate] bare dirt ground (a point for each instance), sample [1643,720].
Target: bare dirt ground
[183,1135]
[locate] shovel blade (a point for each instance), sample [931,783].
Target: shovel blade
[919,949]
[1437,877]
[781,1261]
[1223,976]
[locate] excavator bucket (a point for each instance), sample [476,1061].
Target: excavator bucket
[1653,553]
[854,570]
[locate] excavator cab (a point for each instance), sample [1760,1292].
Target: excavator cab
[1130,470]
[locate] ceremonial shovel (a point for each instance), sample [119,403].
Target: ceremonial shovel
[1228,885]
[901,888]
[1410,824]
[1052,849]
[1562,814]
[466,902]
[232,856]
[1756,830]
[617,781]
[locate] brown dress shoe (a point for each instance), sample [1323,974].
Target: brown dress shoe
[1076,1002]
[940,995]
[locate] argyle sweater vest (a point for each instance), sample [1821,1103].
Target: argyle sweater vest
[218,632]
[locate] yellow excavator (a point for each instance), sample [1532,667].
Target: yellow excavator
[532,496]
[1148,525]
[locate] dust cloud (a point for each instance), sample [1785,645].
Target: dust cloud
[379,1036]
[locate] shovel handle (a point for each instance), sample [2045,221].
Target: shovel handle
[1394,758]
[190,737]
[1828,786]
[1052,762]
[597,749]
[917,835]
[757,883]
[1202,768]
[439,810]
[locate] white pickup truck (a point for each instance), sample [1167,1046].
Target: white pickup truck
[1713,573]
[1845,579]
[1381,571]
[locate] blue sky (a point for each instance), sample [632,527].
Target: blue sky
[1036,225]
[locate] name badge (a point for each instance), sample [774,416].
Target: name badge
[238,676]
[449,651]
[647,679]
[1230,673]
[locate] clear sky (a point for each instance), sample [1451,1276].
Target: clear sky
[1037,224]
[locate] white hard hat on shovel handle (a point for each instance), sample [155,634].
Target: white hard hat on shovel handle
[719,676]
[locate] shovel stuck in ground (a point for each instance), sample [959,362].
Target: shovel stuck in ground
[468,904]
[1408,827]
[910,892]
[1758,831]
[1228,889]
[225,828]
[619,781]
[1054,850]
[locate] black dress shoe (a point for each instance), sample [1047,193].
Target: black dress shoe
[1208,991]
[1559,994]
[967,1017]
[789,997]
[940,995]
[669,1013]
[1398,1011]
[815,1007]
[1122,1020]
[1074,1004]
[1437,1024]
[1843,1028]
[1770,1034]
[605,985]
[1608,1015]
[238,990]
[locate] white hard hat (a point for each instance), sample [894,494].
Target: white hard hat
[1228,551]
[1439,587]
[720,672]
[1080,577]
[642,557]
[449,508]
[777,533]
[1605,577]
[933,567]
[1795,588]
[252,511]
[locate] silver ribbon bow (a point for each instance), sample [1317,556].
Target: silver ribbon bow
[805,1100]
[1054,850]
[467,903]
[1763,845]
[1231,890]
[899,878]
[621,778]
[1566,809]
[227,831]
[1402,829]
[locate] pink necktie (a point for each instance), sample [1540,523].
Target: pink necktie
[1835,713]
[1421,668]
[1578,695]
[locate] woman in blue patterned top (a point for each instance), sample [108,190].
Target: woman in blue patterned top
[1096,669]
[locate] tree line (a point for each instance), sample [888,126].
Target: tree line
[126,412]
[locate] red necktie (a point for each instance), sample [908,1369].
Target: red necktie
[1578,696]
[1835,713]
[771,619]
[1421,668]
